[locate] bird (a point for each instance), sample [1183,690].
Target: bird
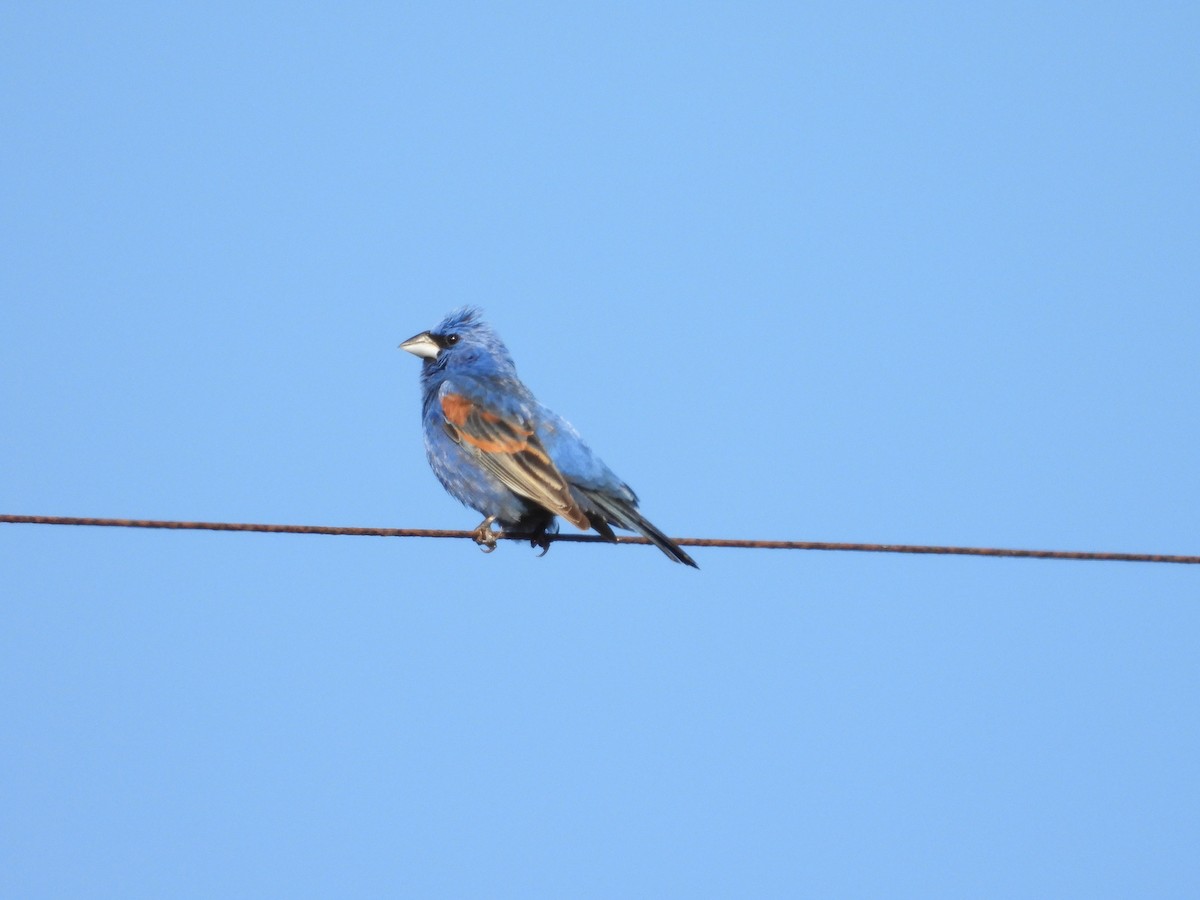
[496,449]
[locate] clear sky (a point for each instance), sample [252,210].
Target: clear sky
[913,273]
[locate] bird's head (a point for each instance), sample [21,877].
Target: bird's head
[461,342]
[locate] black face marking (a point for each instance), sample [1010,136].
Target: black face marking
[444,340]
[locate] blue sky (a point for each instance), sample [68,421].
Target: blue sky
[922,273]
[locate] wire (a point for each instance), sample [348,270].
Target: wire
[588,539]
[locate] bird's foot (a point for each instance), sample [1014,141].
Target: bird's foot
[541,538]
[484,536]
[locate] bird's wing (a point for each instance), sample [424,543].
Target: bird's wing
[509,448]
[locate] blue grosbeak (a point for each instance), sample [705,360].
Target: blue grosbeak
[499,451]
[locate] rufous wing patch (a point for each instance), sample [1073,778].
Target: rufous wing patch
[456,408]
[512,453]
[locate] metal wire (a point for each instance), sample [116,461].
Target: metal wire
[589,538]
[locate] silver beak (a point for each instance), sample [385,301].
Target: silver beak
[422,345]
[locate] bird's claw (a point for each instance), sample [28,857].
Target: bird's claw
[484,536]
[542,537]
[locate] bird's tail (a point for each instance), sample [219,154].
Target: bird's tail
[624,514]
